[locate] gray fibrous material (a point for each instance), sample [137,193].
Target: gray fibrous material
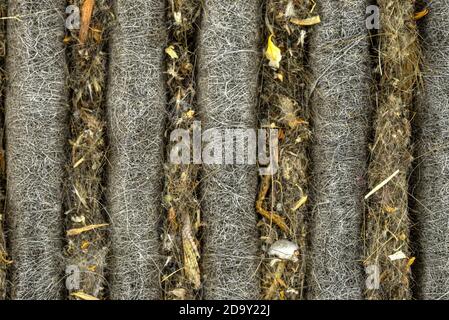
[432,157]
[387,220]
[135,121]
[36,137]
[341,110]
[228,64]
[4,262]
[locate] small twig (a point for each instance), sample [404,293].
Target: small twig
[77,231]
[270,215]
[306,22]
[86,16]
[380,185]
[11,18]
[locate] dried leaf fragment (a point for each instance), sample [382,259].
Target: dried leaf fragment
[279,76]
[191,253]
[178,17]
[273,53]
[67,39]
[170,50]
[179,293]
[190,114]
[85,245]
[421,14]
[397,256]
[78,163]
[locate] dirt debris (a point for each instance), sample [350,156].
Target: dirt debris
[282,199]
[388,221]
[86,241]
[181,277]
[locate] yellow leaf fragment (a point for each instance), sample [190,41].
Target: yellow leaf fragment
[96,85]
[421,14]
[77,231]
[85,245]
[67,39]
[411,261]
[273,53]
[80,161]
[306,22]
[300,203]
[279,76]
[190,114]
[282,295]
[170,50]
[84,296]
[390,209]
[92,268]
[399,255]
